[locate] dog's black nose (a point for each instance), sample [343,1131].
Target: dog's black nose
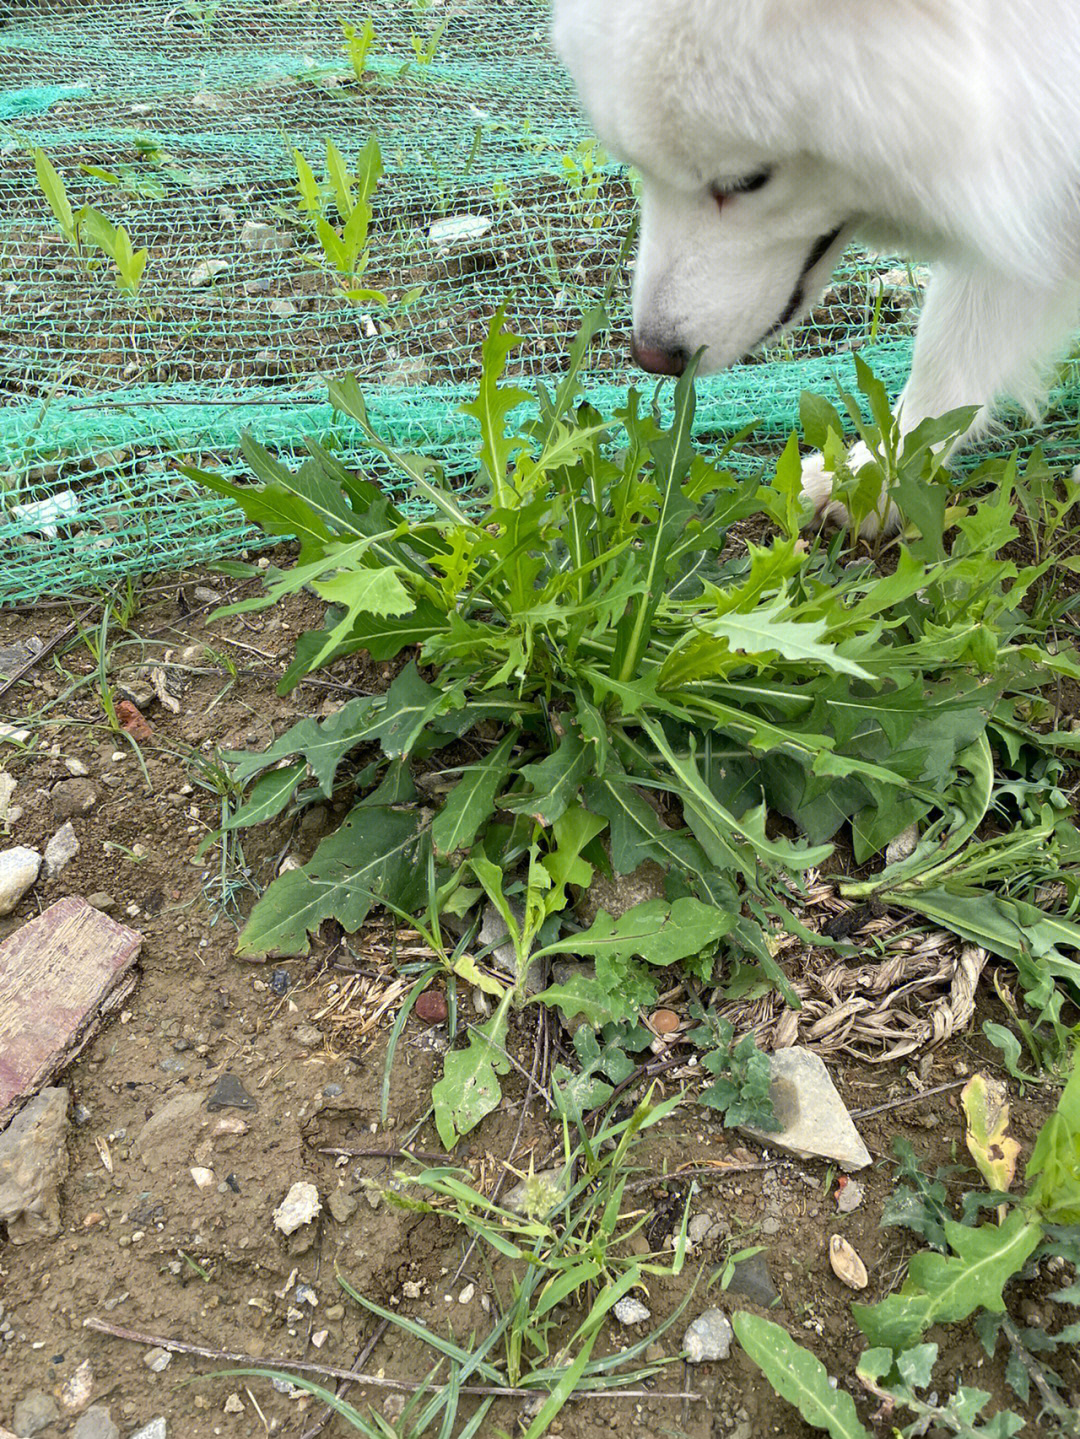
[656,360]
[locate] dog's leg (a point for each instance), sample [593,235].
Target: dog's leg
[982,336]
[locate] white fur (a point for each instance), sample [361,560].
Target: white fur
[948,130]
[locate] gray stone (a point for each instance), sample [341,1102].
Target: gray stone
[96,1423]
[229,1093]
[850,1197]
[812,1117]
[101,899]
[493,932]
[75,767]
[453,229]
[9,812]
[13,657]
[71,797]
[308,1036]
[622,891]
[283,309]
[33,1164]
[60,850]
[19,867]
[35,1412]
[156,1429]
[299,1207]
[708,1338]
[751,1278]
[256,236]
[629,1311]
[205,273]
[157,1360]
[170,1131]
[704,1226]
[341,1204]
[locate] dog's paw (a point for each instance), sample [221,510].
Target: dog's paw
[817,484]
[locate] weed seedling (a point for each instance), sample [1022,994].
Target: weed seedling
[89,228]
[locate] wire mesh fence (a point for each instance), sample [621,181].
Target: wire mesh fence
[201,128]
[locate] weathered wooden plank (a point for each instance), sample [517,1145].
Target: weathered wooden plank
[59,974]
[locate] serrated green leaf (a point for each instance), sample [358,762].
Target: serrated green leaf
[1054,1166]
[555,781]
[655,931]
[584,994]
[492,406]
[798,1377]
[940,1289]
[323,743]
[377,592]
[769,630]
[374,852]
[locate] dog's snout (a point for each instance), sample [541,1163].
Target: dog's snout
[657,359]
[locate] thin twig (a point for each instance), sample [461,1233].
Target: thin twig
[375,1381]
[361,1359]
[46,649]
[387,1154]
[717,1171]
[907,1099]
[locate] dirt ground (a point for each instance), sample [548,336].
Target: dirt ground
[145,1249]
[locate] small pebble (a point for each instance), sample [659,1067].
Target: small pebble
[629,1311]
[279,982]
[431,1006]
[157,1360]
[849,1196]
[708,1338]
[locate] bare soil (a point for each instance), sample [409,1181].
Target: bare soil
[144,1248]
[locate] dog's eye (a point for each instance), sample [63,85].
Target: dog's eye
[745,185]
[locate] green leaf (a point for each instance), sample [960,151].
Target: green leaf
[798,1377]
[584,994]
[469,1088]
[672,455]
[410,704]
[376,592]
[471,802]
[269,795]
[766,631]
[555,781]
[658,932]
[323,743]
[492,406]
[52,187]
[373,853]
[941,1289]
[1054,1165]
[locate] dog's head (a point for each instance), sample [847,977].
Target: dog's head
[741,221]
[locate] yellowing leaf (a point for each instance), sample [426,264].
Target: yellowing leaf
[989,1144]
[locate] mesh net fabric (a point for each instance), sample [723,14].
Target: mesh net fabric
[194,109]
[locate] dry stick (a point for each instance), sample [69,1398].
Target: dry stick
[907,1099]
[46,649]
[376,1381]
[707,1171]
[361,1359]
[387,1154]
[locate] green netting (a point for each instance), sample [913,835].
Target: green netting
[194,110]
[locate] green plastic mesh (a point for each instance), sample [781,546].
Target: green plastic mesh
[194,110]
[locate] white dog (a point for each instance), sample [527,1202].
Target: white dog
[769,133]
